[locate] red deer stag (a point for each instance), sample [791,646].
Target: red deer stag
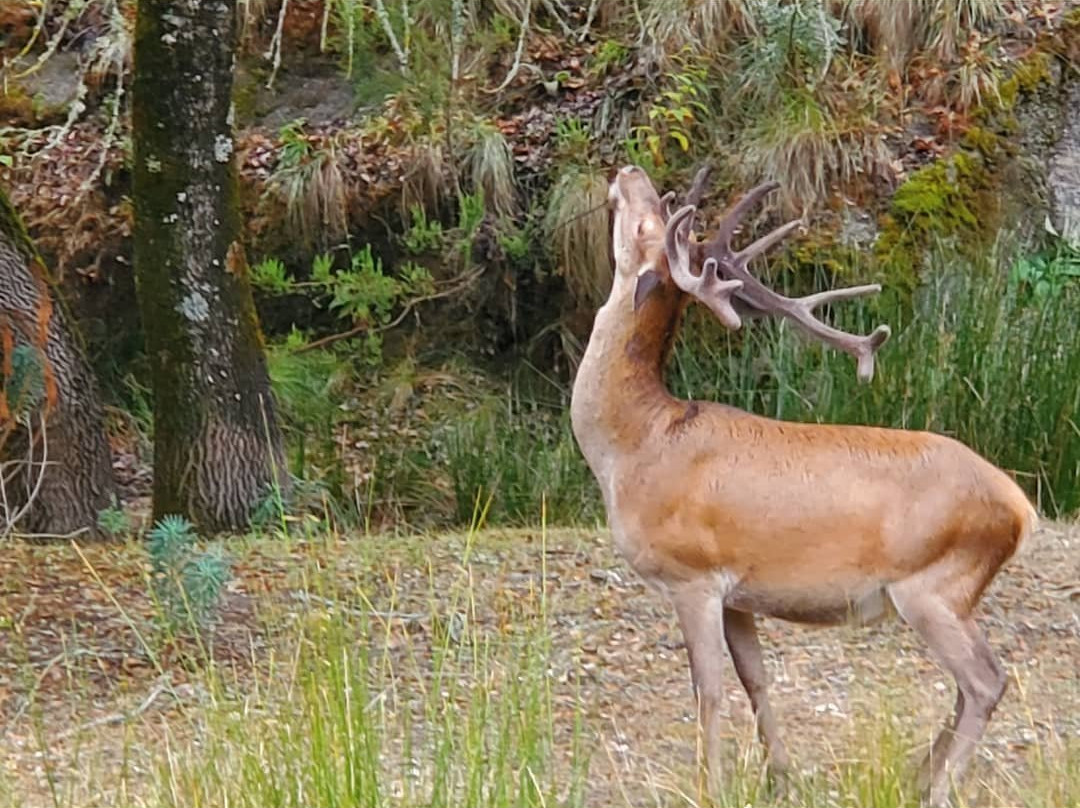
[731,514]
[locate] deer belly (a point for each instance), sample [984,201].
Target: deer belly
[826,607]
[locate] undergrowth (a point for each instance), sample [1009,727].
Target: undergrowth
[987,356]
[445,670]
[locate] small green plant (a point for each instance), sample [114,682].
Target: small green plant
[295,146]
[515,242]
[573,140]
[609,54]
[470,214]
[793,47]
[187,583]
[425,235]
[1047,274]
[362,294]
[114,521]
[270,275]
[676,111]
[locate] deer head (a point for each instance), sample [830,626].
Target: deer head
[657,248]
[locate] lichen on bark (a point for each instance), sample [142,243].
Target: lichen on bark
[217,447]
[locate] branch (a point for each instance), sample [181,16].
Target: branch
[388,29]
[516,67]
[34,488]
[465,282]
[276,42]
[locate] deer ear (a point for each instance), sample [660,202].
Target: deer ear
[647,281]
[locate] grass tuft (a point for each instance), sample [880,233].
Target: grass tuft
[810,150]
[576,225]
[492,166]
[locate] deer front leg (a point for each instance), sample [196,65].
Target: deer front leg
[701,618]
[742,642]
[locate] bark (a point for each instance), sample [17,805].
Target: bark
[217,446]
[76,478]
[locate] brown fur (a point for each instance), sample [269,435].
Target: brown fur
[816,523]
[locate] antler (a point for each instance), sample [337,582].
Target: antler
[724,274]
[708,287]
[733,265]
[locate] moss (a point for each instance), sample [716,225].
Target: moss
[948,202]
[820,251]
[1026,78]
[985,141]
[11,225]
[17,108]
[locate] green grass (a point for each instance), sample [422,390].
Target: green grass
[465,720]
[979,359]
[522,459]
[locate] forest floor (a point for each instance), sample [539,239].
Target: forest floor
[95,701]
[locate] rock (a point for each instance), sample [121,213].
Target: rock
[1064,173]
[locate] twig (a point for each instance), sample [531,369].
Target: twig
[32,490]
[276,43]
[550,6]
[641,23]
[457,35]
[581,215]
[119,718]
[362,327]
[384,20]
[306,597]
[519,51]
[588,20]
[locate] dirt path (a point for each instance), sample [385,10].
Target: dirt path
[69,657]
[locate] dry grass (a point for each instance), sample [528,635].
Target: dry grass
[315,194]
[939,29]
[491,163]
[811,151]
[427,183]
[576,224]
[668,27]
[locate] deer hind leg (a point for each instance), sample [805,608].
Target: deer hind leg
[742,642]
[941,743]
[980,680]
[701,620]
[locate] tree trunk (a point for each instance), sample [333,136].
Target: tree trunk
[58,469]
[217,446]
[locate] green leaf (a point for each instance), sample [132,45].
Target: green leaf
[681,139]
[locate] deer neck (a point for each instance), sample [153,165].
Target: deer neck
[619,394]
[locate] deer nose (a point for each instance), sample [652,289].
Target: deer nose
[630,170]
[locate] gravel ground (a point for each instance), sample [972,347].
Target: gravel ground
[617,658]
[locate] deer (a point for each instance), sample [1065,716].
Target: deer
[733,515]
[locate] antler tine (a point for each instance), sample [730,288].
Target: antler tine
[708,287]
[666,201]
[681,219]
[800,310]
[766,242]
[721,240]
[693,196]
[697,187]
